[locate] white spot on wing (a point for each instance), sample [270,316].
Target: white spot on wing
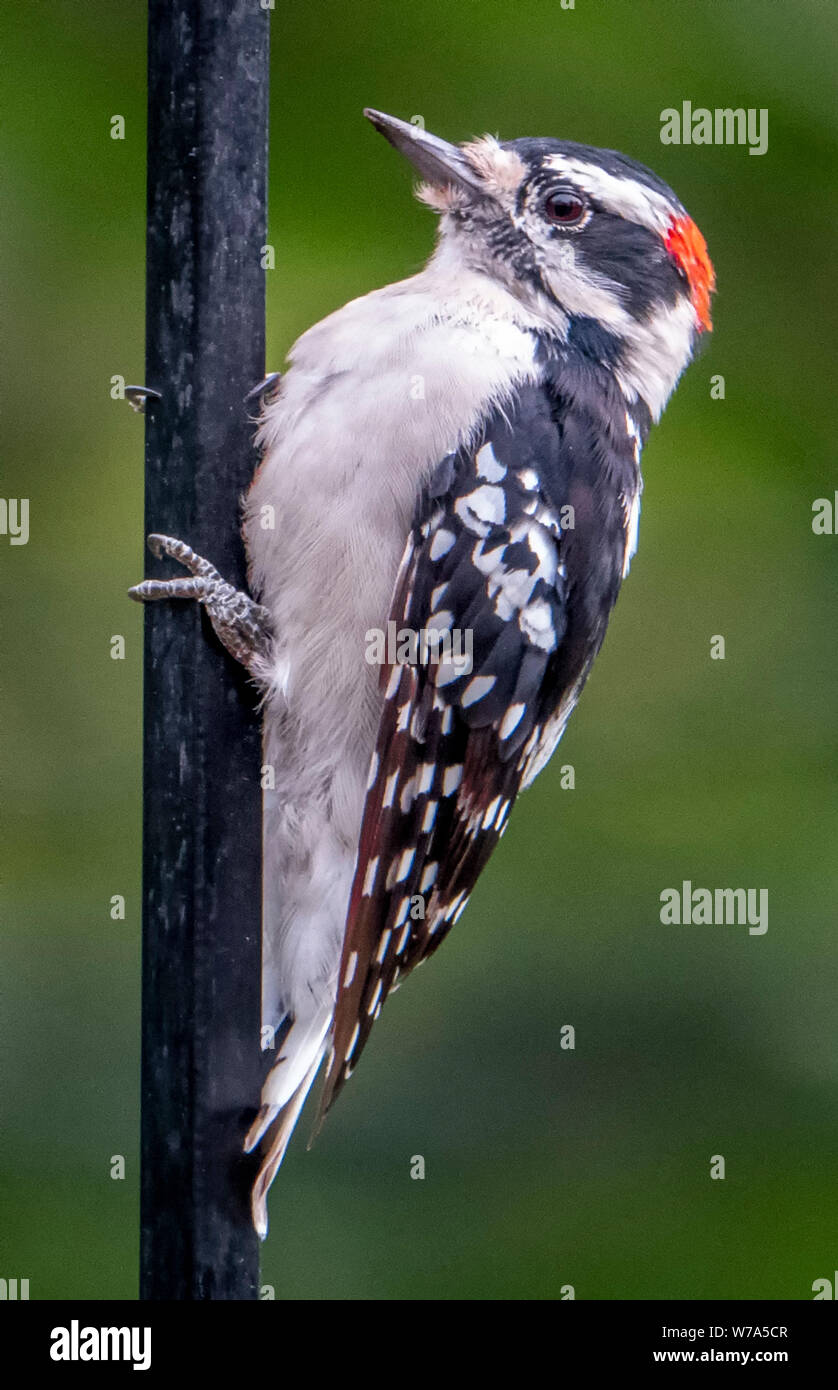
[446,672]
[429,877]
[536,623]
[632,524]
[452,779]
[408,795]
[488,466]
[425,778]
[484,507]
[477,688]
[456,906]
[369,876]
[441,543]
[405,865]
[511,719]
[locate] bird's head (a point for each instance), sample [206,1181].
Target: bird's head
[589,235]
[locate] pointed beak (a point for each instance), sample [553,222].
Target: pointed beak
[436,160]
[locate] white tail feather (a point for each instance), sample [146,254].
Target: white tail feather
[286,1118]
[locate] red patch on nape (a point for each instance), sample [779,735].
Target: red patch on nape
[685,242]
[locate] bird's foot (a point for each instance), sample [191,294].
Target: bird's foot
[243,626]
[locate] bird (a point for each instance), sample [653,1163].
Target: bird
[445,506]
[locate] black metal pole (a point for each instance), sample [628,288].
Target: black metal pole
[205,313]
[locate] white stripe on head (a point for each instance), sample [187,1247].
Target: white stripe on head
[627,197]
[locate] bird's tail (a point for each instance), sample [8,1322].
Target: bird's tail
[283,1097]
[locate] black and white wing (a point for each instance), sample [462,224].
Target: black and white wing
[489,566]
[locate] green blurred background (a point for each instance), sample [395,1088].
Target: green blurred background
[544,1167]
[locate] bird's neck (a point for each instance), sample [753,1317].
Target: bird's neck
[459,280]
[646,355]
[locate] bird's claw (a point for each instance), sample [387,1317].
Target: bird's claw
[243,626]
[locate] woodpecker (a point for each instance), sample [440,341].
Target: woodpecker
[457,452]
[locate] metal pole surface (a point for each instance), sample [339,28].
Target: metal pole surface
[205,348]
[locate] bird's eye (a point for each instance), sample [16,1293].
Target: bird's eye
[565,207]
